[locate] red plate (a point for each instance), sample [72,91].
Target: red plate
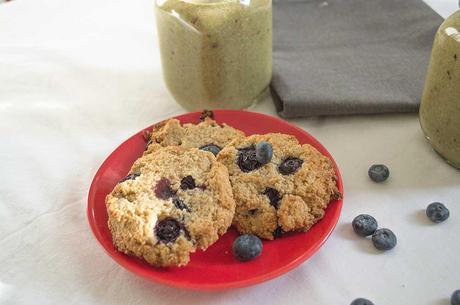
[215,268]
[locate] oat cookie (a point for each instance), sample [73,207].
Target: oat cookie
[289,193]
[206,135]
[173,201]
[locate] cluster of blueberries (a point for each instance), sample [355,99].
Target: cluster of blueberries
[384,239]
[247,247]
[365,225]
[255,156]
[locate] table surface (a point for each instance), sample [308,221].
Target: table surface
[79,77]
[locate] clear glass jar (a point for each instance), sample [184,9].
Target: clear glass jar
[215,53]
[440,107]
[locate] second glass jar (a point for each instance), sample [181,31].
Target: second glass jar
[215,53]
[440,107]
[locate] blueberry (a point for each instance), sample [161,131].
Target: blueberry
[247,247]
[437,212]
[274,196]
[384,239]
[290,166]
[455,298]
[278,232]
[131,176]
[378,173]
[180,204]
[187,183]
[211,148]
[247,160]
[364,225]
[168,229]
[163,189]
[264,152]
[361,301]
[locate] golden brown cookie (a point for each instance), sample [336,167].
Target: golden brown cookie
[206,135]
[173,201]
[289,193]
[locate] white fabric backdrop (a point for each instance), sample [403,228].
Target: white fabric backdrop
[79,77]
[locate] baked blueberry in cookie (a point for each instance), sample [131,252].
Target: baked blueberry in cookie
[211,148]
[290,165]
[187,183]
[163,189]
[180,204]
[284,188]
[178,200]
[247,159]
[273,196]
[168,230]
[131,176]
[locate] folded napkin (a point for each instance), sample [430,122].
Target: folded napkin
[333,57]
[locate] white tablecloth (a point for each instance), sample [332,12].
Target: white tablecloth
[79,77]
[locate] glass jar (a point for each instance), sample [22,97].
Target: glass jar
[215,53]
[440,107]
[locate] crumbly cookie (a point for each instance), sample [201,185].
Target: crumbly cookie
[206,135]
[173,201]
[289,193]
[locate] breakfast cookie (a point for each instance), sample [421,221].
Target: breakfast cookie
[278,185]
[207,135]
[173,201]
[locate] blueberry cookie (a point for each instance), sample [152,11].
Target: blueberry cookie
[173,201]
[207,135]
[278,185]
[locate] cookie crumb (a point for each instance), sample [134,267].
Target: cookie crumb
[147,134]
[206,114]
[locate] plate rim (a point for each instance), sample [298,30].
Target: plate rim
[217,286]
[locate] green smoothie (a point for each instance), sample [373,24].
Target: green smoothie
[215,53]
[440,107]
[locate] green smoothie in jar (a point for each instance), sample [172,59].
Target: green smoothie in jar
[440,107]
[215,53]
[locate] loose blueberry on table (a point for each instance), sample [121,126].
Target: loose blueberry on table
[364,225]
[455,298]
[437,212]
[247,247]
[361,301]
[264,152]
[384,239]
[379,173]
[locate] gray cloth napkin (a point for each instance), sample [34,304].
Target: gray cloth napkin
[333,57]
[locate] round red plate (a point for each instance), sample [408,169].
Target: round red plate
[215,268]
